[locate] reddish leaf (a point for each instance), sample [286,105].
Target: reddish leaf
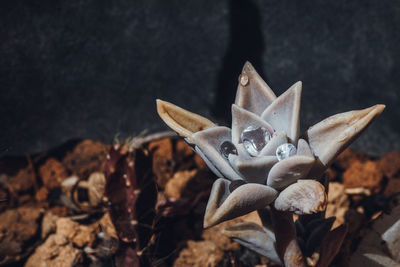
[131,196]
[331,244]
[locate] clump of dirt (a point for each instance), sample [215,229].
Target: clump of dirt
[364,174]
[52,209]
[52,173]
[87,157]
[19,230]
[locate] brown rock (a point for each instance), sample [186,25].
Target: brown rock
[183,156]
[392,187]
[49,224]
[87,157]
[188,183]
[52,253]
[348,157]
[96,183]
[177,184]
[390,164]
[199,254]
[70,231]
[66,245]
[183,151]
[214,234]
[52,173]
[365,174]
[3,199]
[163,161]
[200,163]
[23,181]
[338,203]
[60,211]
[41,194]
[18,227]
[107,226]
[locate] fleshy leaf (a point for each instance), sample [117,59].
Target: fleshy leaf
[184,122]
[241,119]
[289,170]
[331,136]
[331,244]
[316,232]
[253,94]
[254,170]
[253,236]
[223,205]
[303,197]
[304,149]
[286,239]
[283,114]
[209,142]
[277,139]
[208,162]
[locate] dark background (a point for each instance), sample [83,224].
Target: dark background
[93,69]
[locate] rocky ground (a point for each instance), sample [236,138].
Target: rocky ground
[52,211]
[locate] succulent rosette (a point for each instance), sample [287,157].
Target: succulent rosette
[261,159]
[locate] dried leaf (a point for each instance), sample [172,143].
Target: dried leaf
[131,196]
[331,244]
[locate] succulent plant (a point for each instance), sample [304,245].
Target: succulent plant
[263,164]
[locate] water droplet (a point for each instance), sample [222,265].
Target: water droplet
[125,176]
[227,148]
[128,183]
[235,184]
[243,79]
[285,150]
[254,139]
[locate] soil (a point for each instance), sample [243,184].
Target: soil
[52,211]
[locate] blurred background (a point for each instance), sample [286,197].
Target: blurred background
[93,69]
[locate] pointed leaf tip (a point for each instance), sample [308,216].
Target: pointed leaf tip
[284,113]
[224,205]
[184,122]
[253,92]
[331,136]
